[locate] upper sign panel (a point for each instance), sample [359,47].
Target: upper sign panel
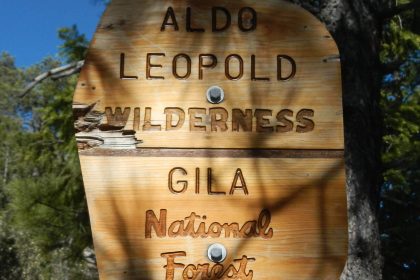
[211,74]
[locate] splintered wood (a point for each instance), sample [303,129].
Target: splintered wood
[213,123]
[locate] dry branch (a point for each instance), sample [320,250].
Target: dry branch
[56,73]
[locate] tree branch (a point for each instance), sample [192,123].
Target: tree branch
[56,73]
[389,13]
[64,211]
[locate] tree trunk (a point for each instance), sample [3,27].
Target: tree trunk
[356,27]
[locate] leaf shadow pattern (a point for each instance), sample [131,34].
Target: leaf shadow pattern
[278,205]
[126,245]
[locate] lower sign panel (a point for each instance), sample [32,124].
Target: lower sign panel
[277,218]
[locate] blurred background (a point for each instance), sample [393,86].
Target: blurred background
[44,223]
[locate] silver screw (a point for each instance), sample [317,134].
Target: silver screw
[215,95]
[216,252]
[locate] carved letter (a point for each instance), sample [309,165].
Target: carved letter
[306,124]
[175,64]
[227,67]
[188,22]
[183,182]
[215,229]
[216,271]
[279,68]
[169,14]
[170,112]
[230,273]
[149,66]
[196,114]
[122,69]
[117,119]
[136,122]
[239,119]
[253,75]
[263,223]
[232,228]
[171,264]
[209,190]
[176,229]
[204,270]
[245,19]
[285,124]
[148,121]
[190,272]
[242,268]
[248,229]
[262,121]
[238,174]
[219,118]
[214,19]
[197,180]
[158,225]
[201,64]
[189,228]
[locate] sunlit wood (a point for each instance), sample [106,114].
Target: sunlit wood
[170,169]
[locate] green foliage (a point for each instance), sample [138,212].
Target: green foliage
[75,45]
[43,213]
[10,263]
[44,225]
[11,79]
[400,201]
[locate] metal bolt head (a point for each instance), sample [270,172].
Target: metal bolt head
[215,95]
[216,252]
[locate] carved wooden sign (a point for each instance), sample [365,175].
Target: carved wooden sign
[210,137]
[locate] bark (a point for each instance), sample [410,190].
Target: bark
[356,27]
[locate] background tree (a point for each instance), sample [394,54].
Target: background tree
[45,224]
[367,39]
[400,203]
[370,47]
[11,79]
[44,227]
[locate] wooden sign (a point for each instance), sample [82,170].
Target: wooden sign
[210,137]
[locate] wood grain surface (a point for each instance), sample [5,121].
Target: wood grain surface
[169,172]
[133,28]
[305,197]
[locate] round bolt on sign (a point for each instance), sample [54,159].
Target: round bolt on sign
[210,137]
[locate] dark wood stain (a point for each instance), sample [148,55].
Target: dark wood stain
[215,153]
